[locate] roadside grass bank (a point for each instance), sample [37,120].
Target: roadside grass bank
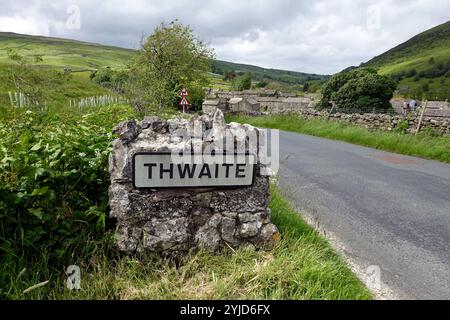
[423,145]
[302,266]
[54,213]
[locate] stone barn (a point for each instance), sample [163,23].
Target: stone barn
[210,106]
[244,105]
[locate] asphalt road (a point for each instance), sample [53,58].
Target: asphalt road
[380,208]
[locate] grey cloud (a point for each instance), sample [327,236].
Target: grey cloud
[312,36]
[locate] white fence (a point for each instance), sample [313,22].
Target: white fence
[97,101]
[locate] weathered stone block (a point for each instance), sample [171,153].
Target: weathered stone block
[178,220]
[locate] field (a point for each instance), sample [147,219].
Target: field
[63,53]
[217,82]
[422,145]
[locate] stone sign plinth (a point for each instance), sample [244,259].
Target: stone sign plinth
[177,219]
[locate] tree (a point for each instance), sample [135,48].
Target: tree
[262,84]
[229,75]
[358,89]
[169,58]
[28,80]
[411,73]
[112,79]
[243,82]
[306,87]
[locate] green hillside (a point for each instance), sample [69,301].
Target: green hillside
[79,56]
[65,53]
[57,54]
[258,73]
[421,64]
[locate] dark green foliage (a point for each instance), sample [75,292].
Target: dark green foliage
[196,97]
[243,82]
[54,181]
[229,76]
[259,74]
[411,73]
[306,87]
[111,79]
[262,84]
[358,89]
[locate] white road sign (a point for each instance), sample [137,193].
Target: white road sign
[163,170]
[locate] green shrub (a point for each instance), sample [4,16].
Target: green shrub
[243,82]
[112,79]
[54,180]
[358,89]
[402,126]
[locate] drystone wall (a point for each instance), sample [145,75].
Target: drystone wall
[384,122]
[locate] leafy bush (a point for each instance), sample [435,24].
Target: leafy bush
[172,56]
[112,79]
[196,96]
[262,84]
[243,82]
[402,126]
[411,73]
[357,90]
[54,180]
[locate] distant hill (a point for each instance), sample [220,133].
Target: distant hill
[258,73]
[58,52]
[421,64]
[80,55]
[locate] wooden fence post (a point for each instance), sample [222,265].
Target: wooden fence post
[331,111]
[421,117]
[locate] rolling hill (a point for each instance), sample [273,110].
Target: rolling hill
[79,56]
[421,64]
[58,52]
[258,73]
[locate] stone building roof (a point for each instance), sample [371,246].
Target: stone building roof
[297,100]
[211,102]
[252,101]
[235,100]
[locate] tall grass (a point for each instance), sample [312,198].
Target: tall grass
[301,266]
[423,145]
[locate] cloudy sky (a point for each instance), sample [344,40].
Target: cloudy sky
[315,36]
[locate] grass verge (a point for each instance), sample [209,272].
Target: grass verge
[423,145]
[302,266]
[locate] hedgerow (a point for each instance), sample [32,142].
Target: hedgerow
[54,181]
